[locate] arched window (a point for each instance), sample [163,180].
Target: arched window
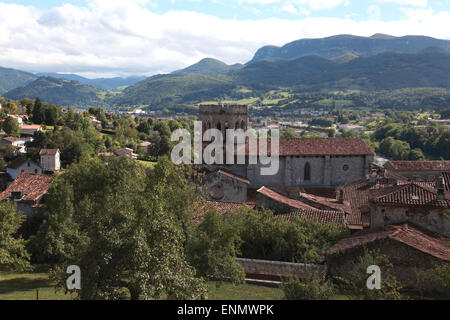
[219,126]
[307,172]
[237,125]
[243,125]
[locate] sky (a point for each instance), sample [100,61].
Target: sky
[106,38]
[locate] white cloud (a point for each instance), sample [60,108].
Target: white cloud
[413,3]
[113,38]
[289,8]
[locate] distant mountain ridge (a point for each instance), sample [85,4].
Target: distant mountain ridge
[339,46]
[59,91]
[11,78]
[99,83]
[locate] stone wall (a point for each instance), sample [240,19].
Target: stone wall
[432,219]
[277,271]
[225,189]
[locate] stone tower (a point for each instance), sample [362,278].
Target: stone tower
[224,117]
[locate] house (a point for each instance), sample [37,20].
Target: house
[30,128]
[226,187]
[18,166]
[423,204]
[410,249]
[144,146]
[127,152]
[50,159]
[17,143]
[28,192]
[418,170]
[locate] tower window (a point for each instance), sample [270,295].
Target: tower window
[307,172]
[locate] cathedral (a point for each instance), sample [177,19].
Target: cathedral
[308,162]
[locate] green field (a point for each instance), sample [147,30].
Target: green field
[23,287]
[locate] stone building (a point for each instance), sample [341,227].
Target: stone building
[28,192]
[410,250]
[18,166]
[50,160]
[226,187]
[423,204]
[418,170]
[302,162]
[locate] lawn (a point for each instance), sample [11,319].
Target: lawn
[23,287]
[227,291]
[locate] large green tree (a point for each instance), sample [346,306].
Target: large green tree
[129,229]
[13,255]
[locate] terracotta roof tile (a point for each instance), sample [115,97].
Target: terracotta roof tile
[32,186]
[323,216]
[295,204]
[411,194]
[406,234]
[420,165]
[233,176]
[48,152]
[320,147]
[202,207]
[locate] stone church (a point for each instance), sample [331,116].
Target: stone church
[309,162]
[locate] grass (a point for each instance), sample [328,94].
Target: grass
[227,291]
[23,287]
[148,164]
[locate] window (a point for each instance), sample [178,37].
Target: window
[307,175]
[219,126]
[346,167]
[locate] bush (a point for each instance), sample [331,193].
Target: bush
[310,289]
[356,284]
[435,283]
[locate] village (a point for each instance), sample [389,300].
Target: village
[399,208]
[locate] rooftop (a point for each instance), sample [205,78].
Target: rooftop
[419,165]
[322,216]
[320,147]
[32,186]
[48,152]
[295,204]
[406,234]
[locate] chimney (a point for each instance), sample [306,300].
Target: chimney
[341,196]
[440,186]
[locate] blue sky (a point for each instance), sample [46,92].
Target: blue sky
[113,37]
[390,10]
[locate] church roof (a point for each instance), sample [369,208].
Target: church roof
[320,147]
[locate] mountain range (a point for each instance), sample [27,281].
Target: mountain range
[380,62]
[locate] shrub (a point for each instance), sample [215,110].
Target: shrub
[309,289]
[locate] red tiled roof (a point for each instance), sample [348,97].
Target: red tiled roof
[321,216]
[31,127]
[446,177]
[32,186]
[295,204]
[331,204]
[202,207]
[320,147]
[405,234]
[10,139]
[411,194]
[233,176]
[419,165]
[48,152]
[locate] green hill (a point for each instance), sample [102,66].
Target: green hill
[11,79]
[59,91]
[348,46]
[209,66]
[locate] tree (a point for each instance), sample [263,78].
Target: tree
[13,255]
[38,112]
[307,289]
[11,127]
[214,248]
[131,245]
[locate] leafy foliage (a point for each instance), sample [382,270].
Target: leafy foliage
[13,255]
[307,289]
